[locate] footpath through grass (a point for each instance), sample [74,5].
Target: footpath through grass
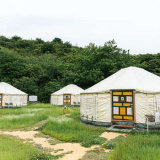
[14,149]
[65,127]
[58,125]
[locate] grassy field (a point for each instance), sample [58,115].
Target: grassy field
[14,149]
[16,118]
[70,129]
[64,125]
[137,147]
[66,128]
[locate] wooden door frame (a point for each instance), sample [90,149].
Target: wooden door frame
[1,99]
[134,115]
[63,99]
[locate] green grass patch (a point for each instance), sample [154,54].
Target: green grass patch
[70,130]
[40,105]
[138,146]
[13,111]
[21,121]
[75,113]
[14,149]
[96,154]
[15,118]
[112,144]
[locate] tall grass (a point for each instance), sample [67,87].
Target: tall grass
[138,147]
[21,121]
[113,143]
[40,105]
[96,154]
[22,110]
[14,118]
[13,111]
[14,149]
[71,130]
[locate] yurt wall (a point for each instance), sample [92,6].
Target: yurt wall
[57,99]
[146,104]
[75,99]
[14,100]
[96,107]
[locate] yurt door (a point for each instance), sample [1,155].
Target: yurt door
[123,106]
[0,99]
[67,99]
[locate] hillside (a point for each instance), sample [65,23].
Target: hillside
[41,68]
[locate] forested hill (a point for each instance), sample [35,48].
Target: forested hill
[41,68]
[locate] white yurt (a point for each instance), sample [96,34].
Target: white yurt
[130,97]
[69,95]
[11,96]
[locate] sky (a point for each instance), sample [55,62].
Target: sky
[133,24]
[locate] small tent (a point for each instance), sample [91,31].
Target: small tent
[69,95]
[128,97]
[11,96]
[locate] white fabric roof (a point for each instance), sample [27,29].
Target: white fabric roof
[128,78]
[6,88]
[69,89]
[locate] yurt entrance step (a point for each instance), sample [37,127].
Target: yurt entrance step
[123,124]
[119,129]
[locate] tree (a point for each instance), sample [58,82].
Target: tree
[47,48]
[16,38]
[57,40]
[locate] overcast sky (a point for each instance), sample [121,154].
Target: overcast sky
[133,24]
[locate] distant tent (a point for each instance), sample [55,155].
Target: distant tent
[69,95]
[125,98]
[11,96]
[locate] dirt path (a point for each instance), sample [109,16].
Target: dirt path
[111,135]
[75,149]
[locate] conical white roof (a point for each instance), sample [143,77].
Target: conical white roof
[128,78]
[6,88]
[69,89]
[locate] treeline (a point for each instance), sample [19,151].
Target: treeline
[41,68]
